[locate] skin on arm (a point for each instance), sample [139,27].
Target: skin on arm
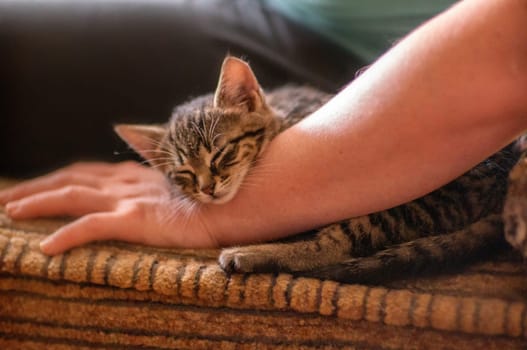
[446,97]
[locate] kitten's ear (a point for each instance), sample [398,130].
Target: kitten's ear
[144,139]
[238,86]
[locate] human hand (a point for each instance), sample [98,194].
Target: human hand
[123,201]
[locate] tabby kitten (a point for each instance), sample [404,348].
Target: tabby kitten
[210,144]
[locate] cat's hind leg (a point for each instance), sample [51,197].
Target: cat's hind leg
[441,252]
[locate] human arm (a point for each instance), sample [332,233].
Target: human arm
[443,99]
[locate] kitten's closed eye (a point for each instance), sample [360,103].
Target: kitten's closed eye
[183,178]
[225,157]
[229,159]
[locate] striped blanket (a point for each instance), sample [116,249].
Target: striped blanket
[112,295]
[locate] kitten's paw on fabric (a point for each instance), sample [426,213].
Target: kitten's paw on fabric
[247,259]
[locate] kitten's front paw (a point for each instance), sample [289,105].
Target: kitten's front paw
[245,260]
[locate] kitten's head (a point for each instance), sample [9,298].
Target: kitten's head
[210,143]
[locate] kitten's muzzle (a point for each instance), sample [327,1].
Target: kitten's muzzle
[209,189]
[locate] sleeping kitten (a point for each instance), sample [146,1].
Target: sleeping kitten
[210,144]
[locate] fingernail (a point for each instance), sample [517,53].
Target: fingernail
[11,208]
[44,244]
[3,198]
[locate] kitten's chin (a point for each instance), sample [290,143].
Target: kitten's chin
[221,200]
[217,198]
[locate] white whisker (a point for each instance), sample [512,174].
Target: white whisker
[160,160]
[179,206]
[159,165]
[183,208]
[215,137]
[212,129]
[199,130]
[170,153]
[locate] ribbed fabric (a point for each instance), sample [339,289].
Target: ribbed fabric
[115,295]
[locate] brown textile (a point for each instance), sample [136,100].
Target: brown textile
[113,295]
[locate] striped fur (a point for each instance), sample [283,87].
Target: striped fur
[442,253]
[515,210]
[457,223]
[211,142]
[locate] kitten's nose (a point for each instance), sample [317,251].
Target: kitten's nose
[208,189]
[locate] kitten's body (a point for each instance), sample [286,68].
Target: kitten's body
[211,142]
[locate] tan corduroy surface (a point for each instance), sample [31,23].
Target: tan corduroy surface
[115,295]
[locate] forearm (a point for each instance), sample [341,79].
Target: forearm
[443,99]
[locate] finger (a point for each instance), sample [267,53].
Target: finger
[70,200]
[106,169]
[96,168]
[91,174]
[48,182]
[93,227]
[133,172]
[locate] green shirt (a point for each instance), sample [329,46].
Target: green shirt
[366,28]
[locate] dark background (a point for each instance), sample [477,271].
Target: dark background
[70,70]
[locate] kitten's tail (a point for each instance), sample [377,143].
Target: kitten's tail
[421,255]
